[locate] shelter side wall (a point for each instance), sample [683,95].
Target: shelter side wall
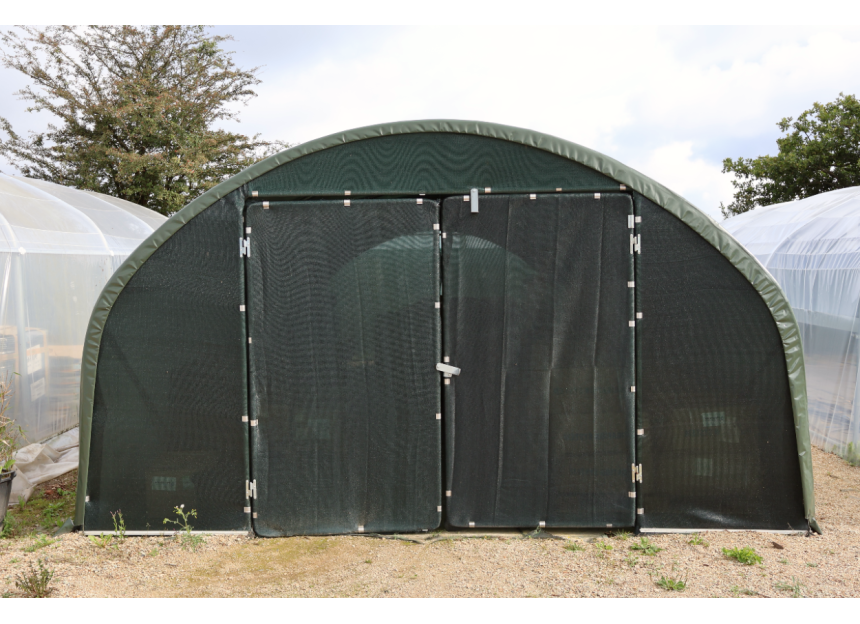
[719,448]
[169,397]
[434,163]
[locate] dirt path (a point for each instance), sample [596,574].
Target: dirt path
[508,565]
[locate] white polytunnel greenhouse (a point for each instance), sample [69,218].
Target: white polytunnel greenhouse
[58,247]
[812,248]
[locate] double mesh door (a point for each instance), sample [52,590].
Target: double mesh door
[351,307]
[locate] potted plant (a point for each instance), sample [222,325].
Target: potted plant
[10,439]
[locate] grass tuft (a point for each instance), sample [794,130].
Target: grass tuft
[646,547]
[671,584]
[746,555]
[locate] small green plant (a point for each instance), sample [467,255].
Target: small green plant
[11,434]
[795,587]
[622,535]
[574,546]
[783,561]
[118,526]
[368,560]
[603,546]
[646,547]
[41,542]
[737,591]
[35,582]
[631,560]
[696,540]
[102,540]
[746,555]
[811,565]
[671,584]
[9,526]
[187,539]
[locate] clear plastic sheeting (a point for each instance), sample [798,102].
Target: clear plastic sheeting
[58,247]
[37,463]
[812,248]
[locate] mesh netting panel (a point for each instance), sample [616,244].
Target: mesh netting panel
[170,391]
[539,424]
[345,330]
[719,449]
[435,163]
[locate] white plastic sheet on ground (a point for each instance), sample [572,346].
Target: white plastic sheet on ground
[58,248]
[37,463]
[812,248]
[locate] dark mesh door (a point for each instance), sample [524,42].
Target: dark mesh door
[536,312]
[344,332]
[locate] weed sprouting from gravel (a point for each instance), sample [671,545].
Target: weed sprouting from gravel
[811,565]
[102,541]
[737,591]
[795,587]
[187,538]
[671,584]
[603,546]
[646,547]
[41,542]
[35,582]
[696,540]
[746,555]
[631,560]
[622,535]
[574,546]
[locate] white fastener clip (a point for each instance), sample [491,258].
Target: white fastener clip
[447,382]
[473,197]
[487,189]
[638,219]
[241,308]
[639,315]
[542,524]
[249,340]
[438,416]
[597,196]
[266,205]
[632,388]
[255,514]
[447,369]
[347,192]
[361,528]
[640,511]
[87,499]
[254,194]
[471,525]
[244,419]
[438,305]
[444,235]
[631,284]
[254,423]
[247,510]
[558,190]
[439,508]
[346,202]
[630,222]
[623,187]
[420,201]
[608,526]
[446,359]
[465,198]
[631,323]
[532,195]
[435,227]
[640,432]
[448,493]
[247,230]
[631,494]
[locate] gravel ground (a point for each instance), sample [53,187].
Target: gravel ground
[465,565]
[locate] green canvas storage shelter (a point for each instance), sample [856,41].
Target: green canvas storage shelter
[443,323]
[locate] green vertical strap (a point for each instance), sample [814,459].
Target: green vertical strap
[632,180]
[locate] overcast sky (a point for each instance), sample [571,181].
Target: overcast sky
[670,102]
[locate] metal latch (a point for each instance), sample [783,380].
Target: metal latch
[473,198]
[245,247]
[251,489]
[447,369]
[636,470]
[638,244]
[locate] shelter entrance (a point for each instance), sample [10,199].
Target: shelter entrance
[344,336]
[538,313]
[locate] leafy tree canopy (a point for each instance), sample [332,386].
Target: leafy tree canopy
[819,152]
[137,110]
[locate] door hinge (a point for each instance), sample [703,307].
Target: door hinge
[251,489]
[245,247]
[447,369]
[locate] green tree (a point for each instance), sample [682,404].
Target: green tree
[819,152]
[137,110]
